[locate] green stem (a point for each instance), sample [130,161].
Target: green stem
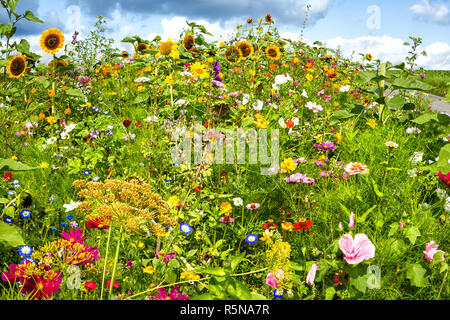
[116,258]
[104,265]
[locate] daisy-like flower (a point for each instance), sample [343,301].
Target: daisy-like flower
[354,168]
[288,165]
[186,228]
[198,70]
[25,251]
[273,52]
[189,42]
[238,202]
[25,214]
[51,41]
[314,107]
[391,144]
[253,206]
[303,224]
[175,294]
[251,238]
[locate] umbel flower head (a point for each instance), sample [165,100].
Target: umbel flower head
[17,66]
[52,40]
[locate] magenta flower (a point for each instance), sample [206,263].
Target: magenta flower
[175,294]
[271,280]
[165,257]
[253,206]
[431,248]
[356,250]
[74,236]
[312,274]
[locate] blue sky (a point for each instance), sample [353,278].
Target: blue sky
[351,25]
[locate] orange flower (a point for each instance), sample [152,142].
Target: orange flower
[238,70]
[64,88]
[51,93]
[67,111]
[41,116]
[252,79]
[273,66]
[268,74]
[116,66]
[139,72]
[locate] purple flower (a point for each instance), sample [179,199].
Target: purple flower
[175,294]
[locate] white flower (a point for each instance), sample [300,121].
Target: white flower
[412,173]
[238,202]
[142,79]
[441,193]
[71,206]
[70,127]
[51,140]
[258,105]
[186,74]
[314,107]
[280,80]
[181,102]
[305,94]
[344,88]
[245,99]
[447,205]
[282,122]
[65,135]
[152,119]
[417,157]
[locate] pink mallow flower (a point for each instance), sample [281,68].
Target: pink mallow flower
[351,224]
[356,250]
[431,248]
[312,274]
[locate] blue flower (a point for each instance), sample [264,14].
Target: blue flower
[251,238]
[96,179]
[86,172]
[25,214]
[25,251]
[53,229]
[10,193]
[278,293]
[69,217]
[186,228]
[63,224]
[25,260]
[15,182]
[168,180]
[8,220]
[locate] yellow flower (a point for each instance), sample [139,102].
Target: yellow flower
[51,120]
[51,41]
[261,122]
[201,99]
[338,137]
[43,165]
[288,165]
[142,88]
[309,77]
[287,226]
[167,48]
[148,69]
[149,269]
[273,52]
[251,72]
[51,93]
[372,123]
[173,201]
[14,158]
[225,207]
[88,104]
[17,66]
[222,44]
[68,111]
[198,70]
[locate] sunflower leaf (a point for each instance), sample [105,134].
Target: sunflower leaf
[10,235]
[31,17]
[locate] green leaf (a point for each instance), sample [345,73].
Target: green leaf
[365,76]
[173,264]
[415,273]
[141,98]
[412,233]
[23,46]
[360,282]
[396,103]
[74,93]
[257,296]
[329,293]
[129,40]
[363,218]
[9,164]
[212,271]
[12,4]
[444,155]
[412,84]
[4,201]
[204,296]
[425,118]
[10,212]
[31,17]
[10,235]
[236,260]
[376,189]
[238,290]
[394,228]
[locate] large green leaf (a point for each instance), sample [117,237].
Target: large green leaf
[10,235]
[412,233]
[416,274]
[238,290]
[31,17]
[9,164]
[212,271]
[74,93]
[396,103]
[236,260]
[412,84]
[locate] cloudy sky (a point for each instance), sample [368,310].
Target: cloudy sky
[376,26]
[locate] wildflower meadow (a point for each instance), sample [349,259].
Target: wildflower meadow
[253,168]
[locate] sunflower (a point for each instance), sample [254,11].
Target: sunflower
[58,63]
[125,54]
[52,40]
[273,52]
[249,20]
[140,47]
[246,48]
[198,70]
[168,48]
[233,54]
[16,66]
[189,42]
[268,18]
[369,57]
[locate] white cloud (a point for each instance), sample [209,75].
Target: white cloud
[435,13]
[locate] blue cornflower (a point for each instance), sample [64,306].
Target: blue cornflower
[251,238]
[8,220]
[278,293]
[63,224]
[86,172]
[25,214]
[69,217]
[186,228]
[25,251]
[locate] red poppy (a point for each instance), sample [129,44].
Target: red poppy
[8,176]
[303,224]
[198,189]
[90,285]
[138,124]
[127,123]
[445,179]
[115,285]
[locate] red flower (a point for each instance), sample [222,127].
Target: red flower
[303,224]
[90,285]
[87,137]
[208,124]
[290,124]
[116,284]
[198,189]
[138,124]
[127,123]
[98,223]
[8,176]
[445,179]
[270,225]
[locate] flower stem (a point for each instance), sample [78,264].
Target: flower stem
[104,265]
[116,259]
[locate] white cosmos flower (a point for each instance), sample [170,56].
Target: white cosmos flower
[258,105]
[51,140]
[280,80]
[245,99]
[344,88]
[71,206]
[70,127]
[305,94]
[65,135]
[142,79]
[238,202]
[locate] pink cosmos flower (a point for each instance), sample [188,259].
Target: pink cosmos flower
[271,280]
[351,224]
[253,206]
[312,274]
[431,248]
[356,250]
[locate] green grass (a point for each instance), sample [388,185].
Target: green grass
[439,79]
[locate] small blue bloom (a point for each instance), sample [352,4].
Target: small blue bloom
[15,182]
[69,217]
[86,172]
[251,238]
[25,214]
[17,186]
[278,293]
[25,251]
[186,228]
[96,179]
[10,193]
[168,180]
[106,113]
[63,224]
[8,220]
[25,260]
[53,229]
[176,164]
